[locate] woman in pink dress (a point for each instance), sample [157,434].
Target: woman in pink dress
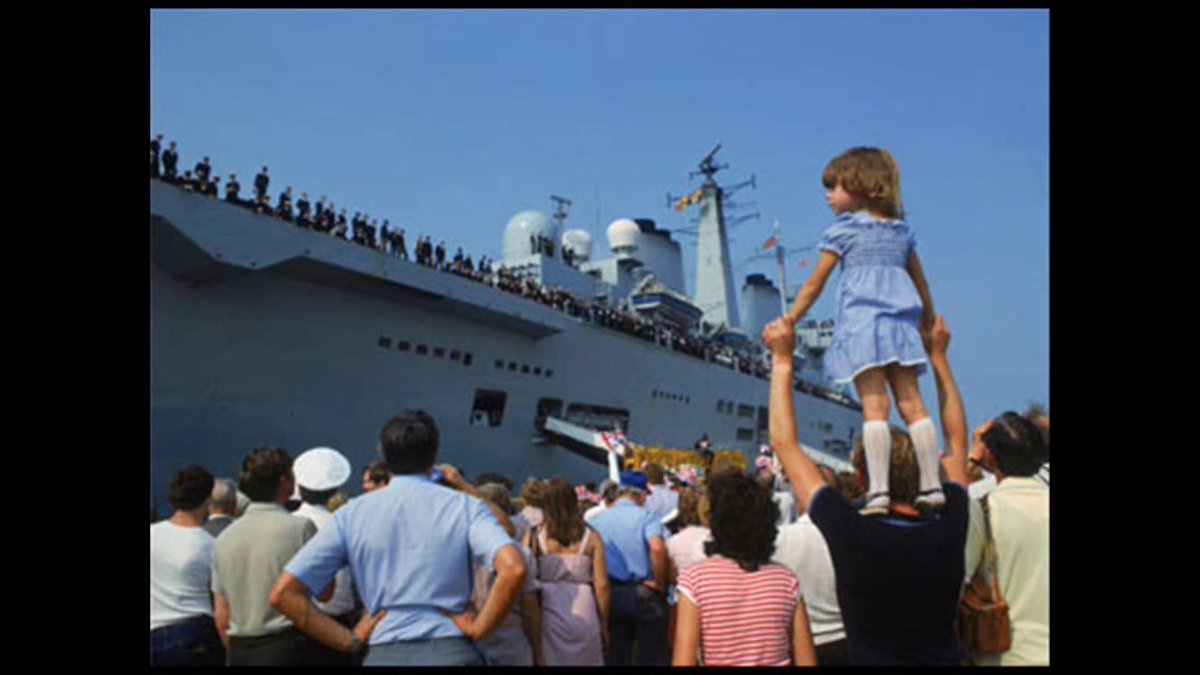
[571,568]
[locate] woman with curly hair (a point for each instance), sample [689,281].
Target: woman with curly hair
[737,607]
[571,567]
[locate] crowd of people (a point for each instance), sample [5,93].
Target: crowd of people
[788,563]
[702,564]
[324,216]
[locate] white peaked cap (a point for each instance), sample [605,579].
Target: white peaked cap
[321,469]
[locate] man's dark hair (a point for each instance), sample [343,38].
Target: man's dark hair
[1017,445]
[261,471]
[743,519]
[378,472]
[318,498]
[409,442]
[190,487]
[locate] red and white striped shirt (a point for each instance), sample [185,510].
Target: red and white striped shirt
[745,617]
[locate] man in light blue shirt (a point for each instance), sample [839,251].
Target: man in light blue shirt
[411,547]
[662,500]
[637,568]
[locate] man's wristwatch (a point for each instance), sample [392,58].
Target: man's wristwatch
[355,645]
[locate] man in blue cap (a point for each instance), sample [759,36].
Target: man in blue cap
[637,567]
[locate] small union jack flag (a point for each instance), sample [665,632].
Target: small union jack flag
[615,442]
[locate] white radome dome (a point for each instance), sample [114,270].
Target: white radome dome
[522,226]
[623,233]
[579,242]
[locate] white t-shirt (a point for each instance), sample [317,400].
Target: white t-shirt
[594,511]
[180,564]
[801,548]
[686,547]
[787,507]
[343,595]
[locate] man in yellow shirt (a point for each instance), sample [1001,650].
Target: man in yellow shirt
[1019,506]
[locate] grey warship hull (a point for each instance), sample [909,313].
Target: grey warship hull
[263,333]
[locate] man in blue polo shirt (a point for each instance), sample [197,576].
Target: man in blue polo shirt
[411,547]
[637,567]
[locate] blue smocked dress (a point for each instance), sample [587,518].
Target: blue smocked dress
[879,310]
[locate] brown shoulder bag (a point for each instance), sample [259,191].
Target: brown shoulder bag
[983,625]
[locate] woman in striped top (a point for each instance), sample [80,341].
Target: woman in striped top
[738,608]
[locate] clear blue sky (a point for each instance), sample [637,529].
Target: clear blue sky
[449,122]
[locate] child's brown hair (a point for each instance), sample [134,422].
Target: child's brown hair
[869,174]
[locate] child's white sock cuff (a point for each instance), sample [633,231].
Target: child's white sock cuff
[920,424]
[924,439]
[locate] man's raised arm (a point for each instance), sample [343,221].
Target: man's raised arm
[780,338]
[950,404]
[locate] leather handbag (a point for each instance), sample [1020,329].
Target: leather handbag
[983,623]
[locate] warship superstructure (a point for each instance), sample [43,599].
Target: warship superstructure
[265,333]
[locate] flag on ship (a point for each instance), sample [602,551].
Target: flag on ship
[771,243]
[688,200]
[615,442]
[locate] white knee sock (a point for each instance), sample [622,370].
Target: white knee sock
[924,438]
[877,446]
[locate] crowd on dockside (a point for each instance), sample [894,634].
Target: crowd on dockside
[703,564]
[326,217]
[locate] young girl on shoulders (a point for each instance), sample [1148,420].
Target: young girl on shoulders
[883,306]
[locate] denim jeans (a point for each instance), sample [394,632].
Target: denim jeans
[191,642]
[637,626]
[456,651]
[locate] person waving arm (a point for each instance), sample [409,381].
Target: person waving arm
[950,404]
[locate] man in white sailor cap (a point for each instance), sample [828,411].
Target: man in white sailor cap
[319,473]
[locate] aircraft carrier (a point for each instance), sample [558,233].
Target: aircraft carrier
[266,333]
